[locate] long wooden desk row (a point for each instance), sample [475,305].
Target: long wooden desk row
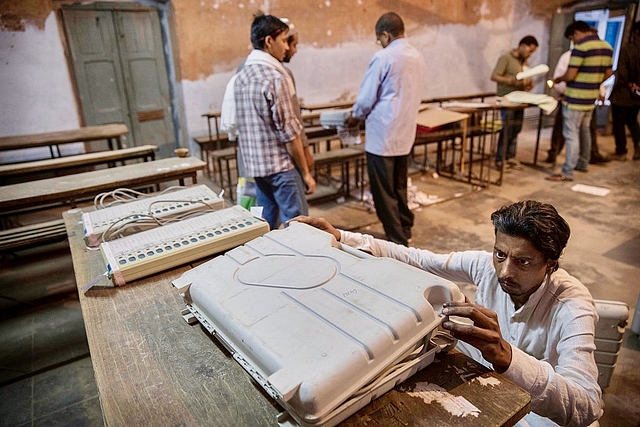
[342,158]
[468,160]
[152,368]
[467,152]
[112,133]
[458,162]
[219,160]
[216,140]
[71,187]
[28,171]
[346,104]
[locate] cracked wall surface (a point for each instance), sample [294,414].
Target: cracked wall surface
[459,39]
[213,35]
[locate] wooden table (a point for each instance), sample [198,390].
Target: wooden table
[152,368]
[507,106]
[486,109]
[480,124]
[219,137]
[113,133]
[433,118]
[327,105]
[71,187]
[461,392]
[341,157]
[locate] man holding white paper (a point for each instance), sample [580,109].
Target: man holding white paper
[505,75]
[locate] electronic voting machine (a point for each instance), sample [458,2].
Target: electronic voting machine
[323,328]
[151,251]
[162,206]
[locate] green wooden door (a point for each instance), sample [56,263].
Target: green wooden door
[120,72]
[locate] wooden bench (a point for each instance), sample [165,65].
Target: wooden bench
[323,160]
[218,141]
[112,133]
[31,235]
[310,119]
[224,156]
[28,171]
[215,140]
[341,157]
[69,188]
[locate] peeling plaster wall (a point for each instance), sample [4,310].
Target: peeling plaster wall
[15,15]
[460,39]
[214,34]
[35,87]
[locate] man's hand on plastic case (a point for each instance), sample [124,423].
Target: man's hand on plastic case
[484,333]
[319,223]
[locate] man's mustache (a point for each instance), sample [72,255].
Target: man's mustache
[507,282]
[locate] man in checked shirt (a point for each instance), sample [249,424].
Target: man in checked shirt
[267,124]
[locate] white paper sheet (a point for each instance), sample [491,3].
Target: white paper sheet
[596,191]
[545,102]
[532,72]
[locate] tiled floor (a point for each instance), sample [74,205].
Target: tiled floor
[46,376]
[46,370]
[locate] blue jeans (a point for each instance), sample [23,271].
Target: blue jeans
[281,196]
[577,136]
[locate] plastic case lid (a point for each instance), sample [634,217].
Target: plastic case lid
[312,321]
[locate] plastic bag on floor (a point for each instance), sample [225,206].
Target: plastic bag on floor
[416,198]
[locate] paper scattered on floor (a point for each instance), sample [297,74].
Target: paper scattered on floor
[416,198]
[589,189]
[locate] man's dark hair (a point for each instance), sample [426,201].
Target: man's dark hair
[568,32]
[391,23]
[539,223]
[529,40]
[581,26]
[263,26]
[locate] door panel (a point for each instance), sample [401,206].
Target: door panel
[105,97]
[97,68]
[121,74]
[146,78]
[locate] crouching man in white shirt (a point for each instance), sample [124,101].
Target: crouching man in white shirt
[532,322]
